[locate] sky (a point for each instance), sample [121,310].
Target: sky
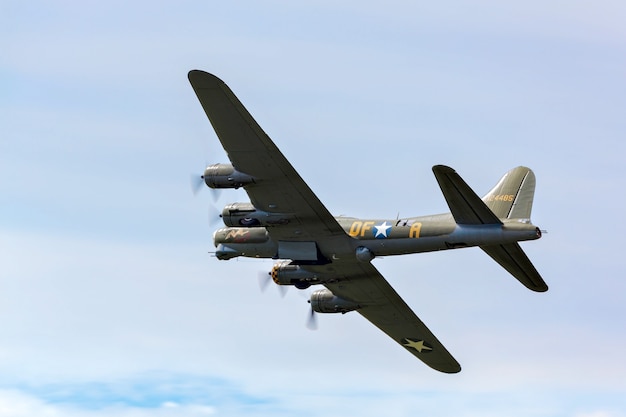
[112,305]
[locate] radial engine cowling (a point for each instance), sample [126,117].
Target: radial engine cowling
[225,176]
[245,214]
[285,273]
[324,301]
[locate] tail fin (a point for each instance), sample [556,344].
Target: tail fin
[512,197]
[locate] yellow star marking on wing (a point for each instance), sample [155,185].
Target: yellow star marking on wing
[419,345]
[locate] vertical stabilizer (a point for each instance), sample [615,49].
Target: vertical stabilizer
[512,197]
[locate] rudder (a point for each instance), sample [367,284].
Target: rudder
[512,197]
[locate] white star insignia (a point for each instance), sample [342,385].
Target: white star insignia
[382,231]
[419,345]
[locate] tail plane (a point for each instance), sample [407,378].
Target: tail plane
[510,199]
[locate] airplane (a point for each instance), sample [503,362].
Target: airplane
[285,221]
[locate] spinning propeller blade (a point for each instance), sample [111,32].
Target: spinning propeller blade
[311,322]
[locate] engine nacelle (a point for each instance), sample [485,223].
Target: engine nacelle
[286,273]
[324,301]
[225,176]
[246,215]
[252,242]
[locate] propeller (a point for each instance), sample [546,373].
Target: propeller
[265,278]
[282,290]
[214,215]
[311,322]
[196,182]
[215,193]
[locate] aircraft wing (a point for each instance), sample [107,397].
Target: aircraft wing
[279,188]
[384,308]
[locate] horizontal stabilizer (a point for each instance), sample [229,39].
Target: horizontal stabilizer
[512,258]
[465,205]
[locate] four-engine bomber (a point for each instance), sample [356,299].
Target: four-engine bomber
[285,220]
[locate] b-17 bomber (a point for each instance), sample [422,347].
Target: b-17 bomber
[285,221]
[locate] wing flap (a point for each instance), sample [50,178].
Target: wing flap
[512,258]
[465,205]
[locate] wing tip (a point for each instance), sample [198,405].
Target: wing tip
[203,79]
[454,370]
[443,169]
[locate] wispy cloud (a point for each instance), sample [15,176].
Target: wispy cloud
[151,390]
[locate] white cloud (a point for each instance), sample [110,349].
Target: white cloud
[18,404]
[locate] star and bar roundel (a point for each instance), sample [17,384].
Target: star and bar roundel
[382,230]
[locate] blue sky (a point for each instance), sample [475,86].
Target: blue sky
[111,305]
